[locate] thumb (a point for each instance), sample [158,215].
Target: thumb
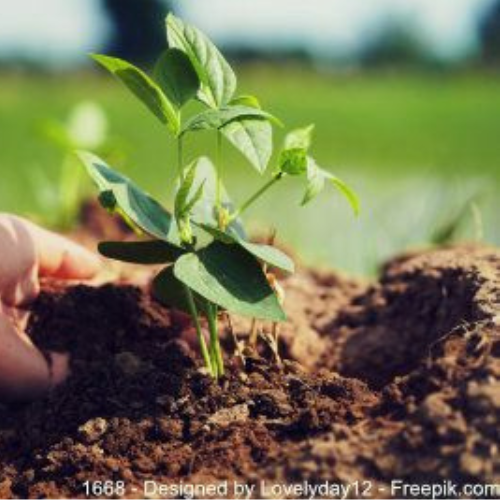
[24,371]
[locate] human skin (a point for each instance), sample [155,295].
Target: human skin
[27,253]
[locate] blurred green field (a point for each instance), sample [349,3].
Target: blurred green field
[416,147]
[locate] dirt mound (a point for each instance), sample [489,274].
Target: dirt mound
[388,330]
[400,379]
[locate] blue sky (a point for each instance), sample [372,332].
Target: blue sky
[64,30]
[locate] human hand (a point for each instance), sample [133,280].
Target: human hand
[28,252]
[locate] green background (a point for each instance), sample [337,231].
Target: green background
[415,146]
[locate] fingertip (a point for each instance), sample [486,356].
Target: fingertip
[59,257]
[78,263]
[59,368]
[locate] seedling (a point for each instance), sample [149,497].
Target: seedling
[227,273]
[86,127]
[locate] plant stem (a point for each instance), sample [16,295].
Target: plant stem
[218,172]
[180,169]
[217,360]
[210,361]
[275,178]
[275,336]
[237,345]
[254,333]
[212,369]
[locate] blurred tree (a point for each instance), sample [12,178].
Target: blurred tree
[138,28]
[244,53]
[490,34]
[394,45]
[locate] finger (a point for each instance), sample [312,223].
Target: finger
[26,246]
[59,257]
[24,371]
[18,258]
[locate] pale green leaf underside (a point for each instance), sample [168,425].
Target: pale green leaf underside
[227,275]
[253,138]
[348,193]
[270,255]
[213,119]
[299,138]
[315,184]
[317,178]
[203,211]
[141,208]
[143,87]
[218,81]
[266,253]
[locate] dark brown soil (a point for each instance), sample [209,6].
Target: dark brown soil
[96,223]
[394,380]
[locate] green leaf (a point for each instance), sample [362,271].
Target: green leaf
[245,127]
[315,181]
[228,237]
[177,77]
[203,211]
[214,119]
[218,81]
[204,175]
[348,193]
[119,191]
[315,185]
[293,161]
[144,88]
[253,138]
[317,178]
[246,100]
[171,292]
[300,138]
[140,252]
[227,275]
[181,197]
[266,253]
[185,205]
[250,101]
[270,255]
[197,196]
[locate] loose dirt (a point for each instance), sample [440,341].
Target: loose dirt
[394,379]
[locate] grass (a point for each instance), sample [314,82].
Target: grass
[415,146]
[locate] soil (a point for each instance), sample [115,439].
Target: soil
[394,379]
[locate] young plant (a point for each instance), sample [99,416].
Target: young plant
[227,274]
[86,127]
